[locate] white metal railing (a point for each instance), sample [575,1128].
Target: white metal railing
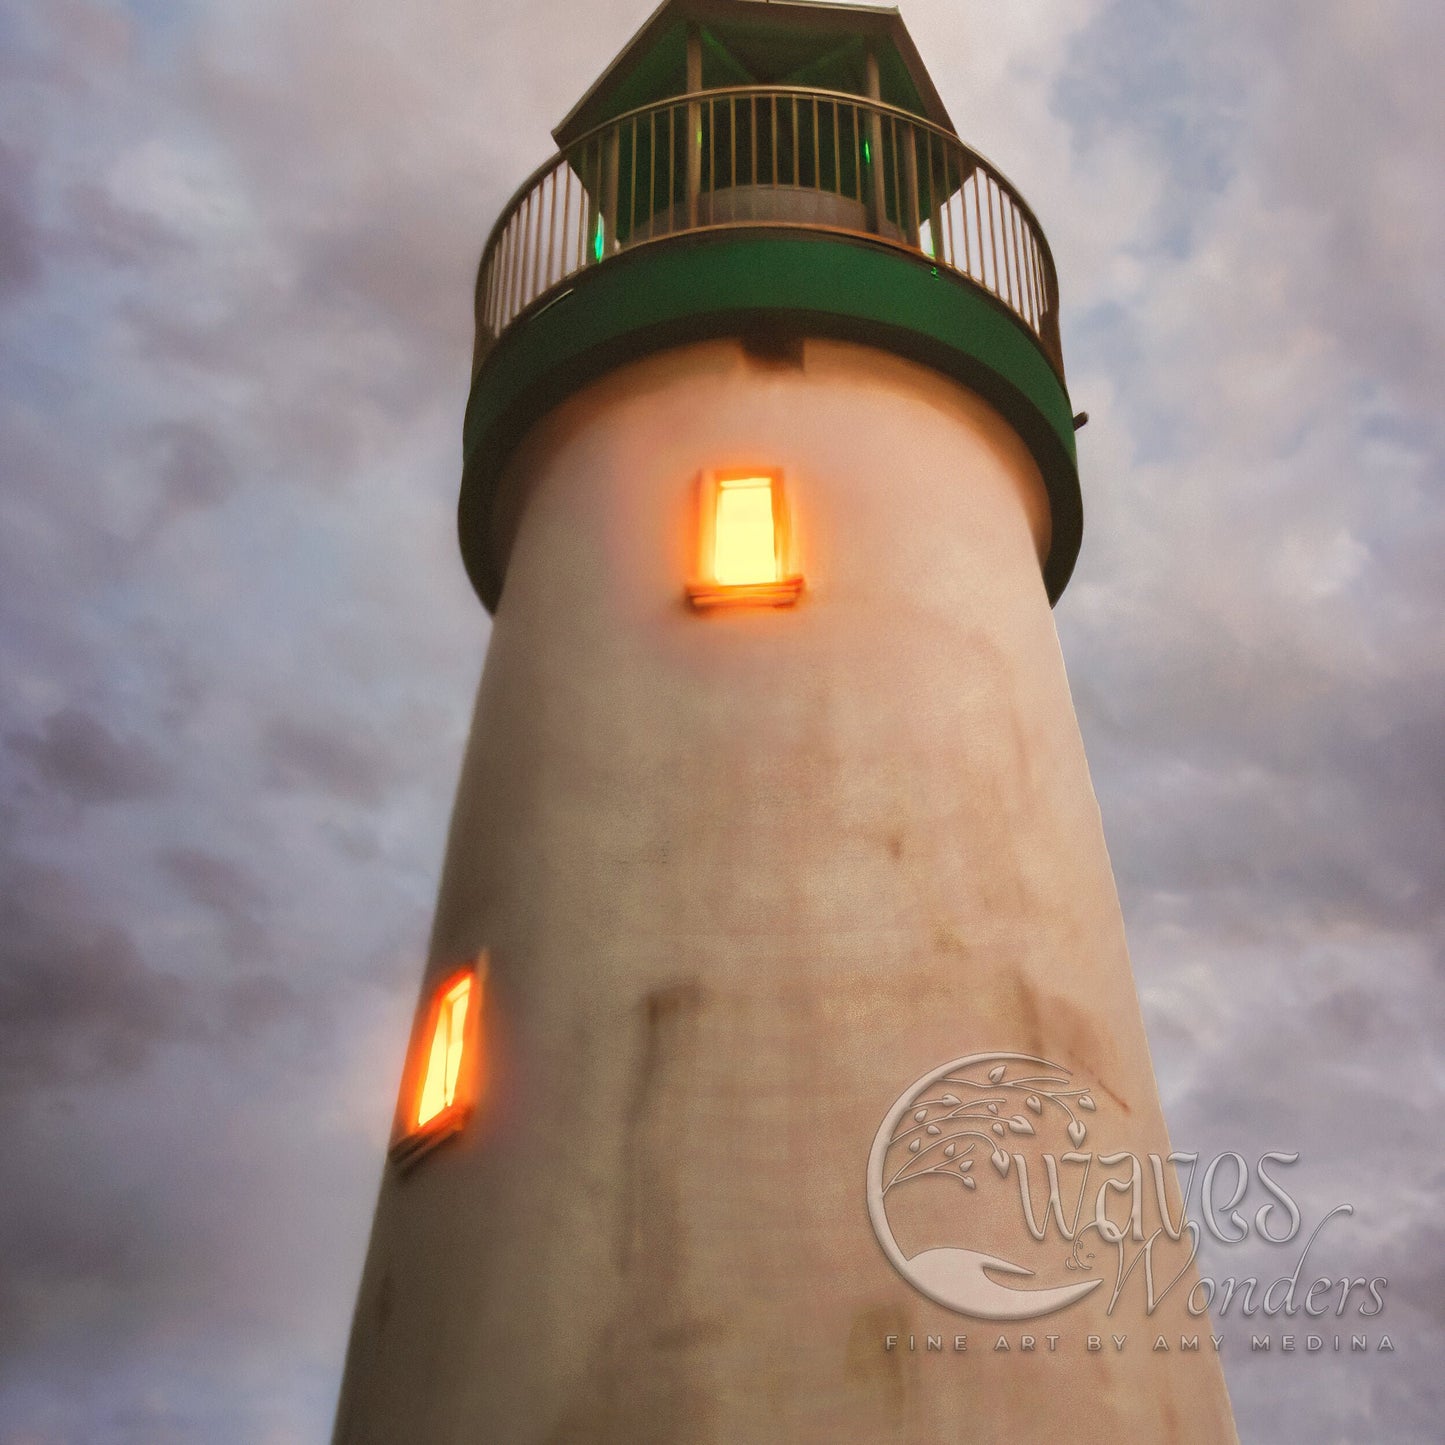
[768,156]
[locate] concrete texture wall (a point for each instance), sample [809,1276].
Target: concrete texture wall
[742,877]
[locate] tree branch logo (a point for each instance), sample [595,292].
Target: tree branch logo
[980,1125]
[967,1113]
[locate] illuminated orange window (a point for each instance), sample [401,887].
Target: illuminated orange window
[744,541]
[441,1078]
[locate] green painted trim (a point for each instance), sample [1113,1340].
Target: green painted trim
[739,282]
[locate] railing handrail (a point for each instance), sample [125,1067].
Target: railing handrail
[882,106]
[969,159]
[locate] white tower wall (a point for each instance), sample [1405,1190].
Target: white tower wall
[741,877]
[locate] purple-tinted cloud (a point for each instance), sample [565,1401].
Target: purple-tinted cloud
[236,252]
[77,1000]
[78,755]
[349,767]
[21,247]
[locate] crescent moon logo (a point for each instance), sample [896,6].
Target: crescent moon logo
[952,1114]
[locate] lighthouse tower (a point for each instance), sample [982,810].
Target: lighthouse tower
[778,1072]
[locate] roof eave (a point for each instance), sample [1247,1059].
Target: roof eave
[885,21]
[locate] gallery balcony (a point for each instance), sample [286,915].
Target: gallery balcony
[775,158]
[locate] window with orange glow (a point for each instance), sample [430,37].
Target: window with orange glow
[444,1061]
[441,1078]
[743,538]
[745,547]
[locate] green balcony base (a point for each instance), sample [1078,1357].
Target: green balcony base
[739,282]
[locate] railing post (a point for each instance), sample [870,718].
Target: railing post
[694,122]
[876,198]
[610,167]
[910,185]
[939,196]
[590,215]
[1049,322]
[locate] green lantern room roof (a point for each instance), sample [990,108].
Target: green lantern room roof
[755,42]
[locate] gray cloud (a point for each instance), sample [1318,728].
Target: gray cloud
[345,765]
[21,245]
[78,755]
[235,363]
[194,470]
[227,890]
[252,1005]
[102,225]
[77,1000]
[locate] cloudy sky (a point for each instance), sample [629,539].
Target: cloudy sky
[238,649]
